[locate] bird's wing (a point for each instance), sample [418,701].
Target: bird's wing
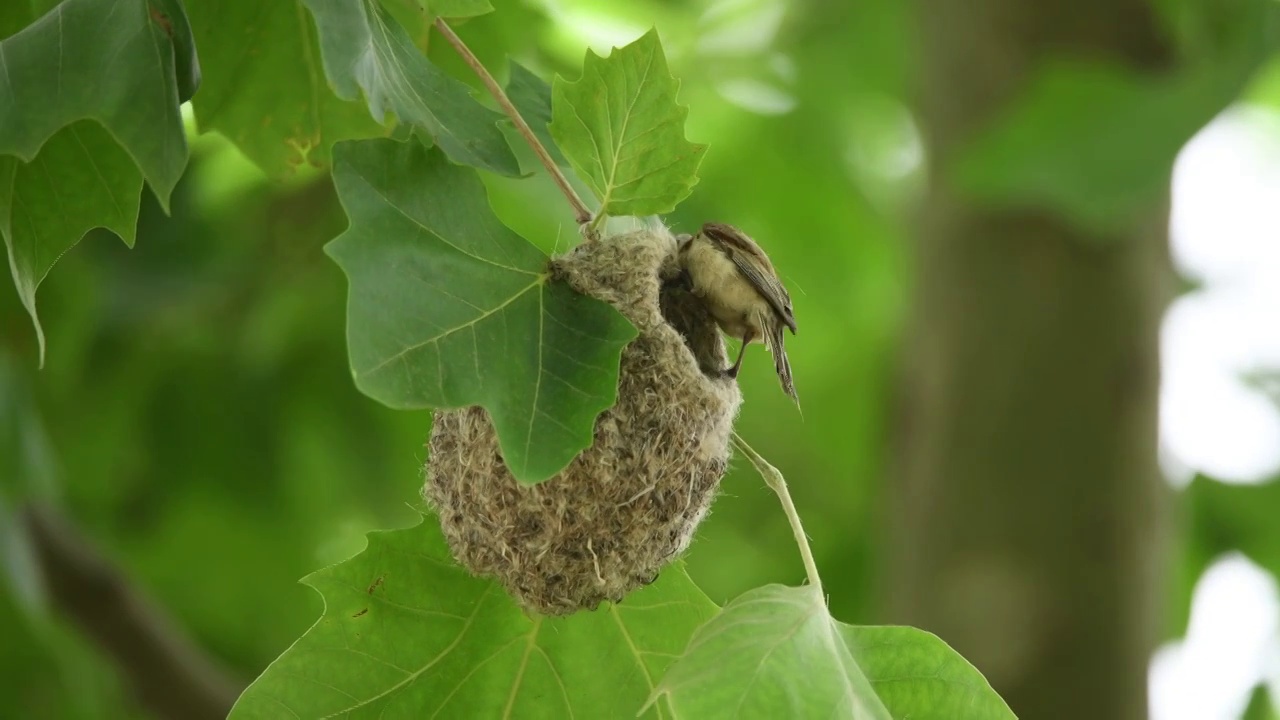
[765,283]
[754,265]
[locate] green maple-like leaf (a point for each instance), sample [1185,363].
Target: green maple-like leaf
[80,180]
[532,97]
[367,51]
[89,107]
[107,60]
[266,90]
[623,132]
[919,677]
[775,652]
[450,308]
[406,633]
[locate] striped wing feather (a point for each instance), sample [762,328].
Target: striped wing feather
[754,266]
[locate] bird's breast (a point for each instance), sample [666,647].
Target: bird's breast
[730,298]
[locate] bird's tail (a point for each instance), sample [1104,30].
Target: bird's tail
[780,362]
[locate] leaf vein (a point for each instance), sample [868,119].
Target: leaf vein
[421,344]
[440,656]
[474,669]
[524,662]
[537,383]
[387,201]
[564,692]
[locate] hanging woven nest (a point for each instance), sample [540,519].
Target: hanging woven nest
[630,503]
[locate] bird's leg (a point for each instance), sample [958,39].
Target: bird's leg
[737,365]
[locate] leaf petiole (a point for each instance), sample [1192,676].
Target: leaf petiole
[773,478]
[580,211]
[597,223]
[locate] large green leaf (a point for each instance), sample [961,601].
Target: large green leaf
[105,60]
[623,132]
[532,97]
[80,180]
[366,51]
[264,87]
[450,308]
[919,677]
[776,652]
[89,99]
[406,633]
[1096,141]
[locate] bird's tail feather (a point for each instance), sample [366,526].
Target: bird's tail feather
[780,362]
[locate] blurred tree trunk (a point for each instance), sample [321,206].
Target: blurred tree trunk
[1026,506]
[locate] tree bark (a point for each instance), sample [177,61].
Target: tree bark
[1026,510]
[170,676]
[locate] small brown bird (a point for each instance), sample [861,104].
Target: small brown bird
[742,291]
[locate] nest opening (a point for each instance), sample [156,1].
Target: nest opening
[627,505]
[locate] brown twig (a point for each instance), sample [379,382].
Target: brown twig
[170,676]
[580,211]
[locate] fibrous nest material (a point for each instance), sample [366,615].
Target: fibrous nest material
[630,503]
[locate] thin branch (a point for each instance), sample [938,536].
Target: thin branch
[580,211]
[170,676]
[773,478]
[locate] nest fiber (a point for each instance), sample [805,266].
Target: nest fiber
[629,504]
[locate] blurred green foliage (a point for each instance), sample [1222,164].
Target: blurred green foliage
[199,410]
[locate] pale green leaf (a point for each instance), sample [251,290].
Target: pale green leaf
[776,652]
[773,652]
[367,51]
[406,633]
[621,129]
[919,677]
[449,308]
